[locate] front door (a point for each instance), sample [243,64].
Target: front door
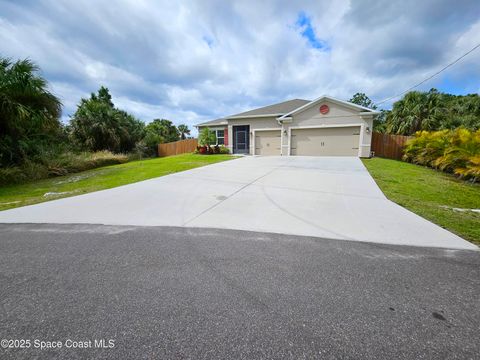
[241,143]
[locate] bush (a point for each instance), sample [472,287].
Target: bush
[211,150]
[426,147]
[64,164]
[142,150]
[224,150]
[454,151]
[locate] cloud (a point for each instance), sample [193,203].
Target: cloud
[192,61]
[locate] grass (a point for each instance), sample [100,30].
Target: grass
[101,178]
[430,194]
[60,164]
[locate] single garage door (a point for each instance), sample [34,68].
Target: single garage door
[335,141]
[267,142]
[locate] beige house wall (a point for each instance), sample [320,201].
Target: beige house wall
[338,115]
[256,124]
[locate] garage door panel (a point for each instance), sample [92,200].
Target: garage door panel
[335,141]
[267,142]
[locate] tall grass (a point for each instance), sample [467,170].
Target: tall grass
[454,151]
[62,164]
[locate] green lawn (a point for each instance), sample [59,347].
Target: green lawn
[101,178]
[431,194]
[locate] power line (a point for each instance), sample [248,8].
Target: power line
[430,77]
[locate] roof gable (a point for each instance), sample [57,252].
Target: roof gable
[322,98]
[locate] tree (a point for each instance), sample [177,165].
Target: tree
[165,129]
[379,120]
[98,125]
[104,96]
[29,113]
[183,130]
[157,132]
[363,100]
[207,137]
[416,111]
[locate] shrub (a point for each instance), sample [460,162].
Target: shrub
[426,147]
[64,164]
[471,169]
[210,150]
[224,150]
[455,151]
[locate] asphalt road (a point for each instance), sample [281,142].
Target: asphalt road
[175,293]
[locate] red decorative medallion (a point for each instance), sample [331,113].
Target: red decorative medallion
[324,109]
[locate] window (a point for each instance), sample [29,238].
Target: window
[220,137]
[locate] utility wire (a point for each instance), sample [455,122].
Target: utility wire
[430,77]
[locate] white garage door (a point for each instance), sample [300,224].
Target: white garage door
[335,141]
[267,142]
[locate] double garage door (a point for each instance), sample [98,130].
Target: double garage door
[335,141]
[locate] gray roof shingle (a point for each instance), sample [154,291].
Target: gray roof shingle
[279,108]
[221,121]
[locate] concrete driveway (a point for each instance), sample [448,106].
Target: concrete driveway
[328,197]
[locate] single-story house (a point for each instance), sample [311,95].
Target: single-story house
[323,127]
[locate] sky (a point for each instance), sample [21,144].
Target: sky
[192,61]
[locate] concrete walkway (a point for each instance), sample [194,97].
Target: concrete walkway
[328,197]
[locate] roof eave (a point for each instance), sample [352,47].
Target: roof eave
[206,124]
[252,116]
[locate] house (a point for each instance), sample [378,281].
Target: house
[323,127]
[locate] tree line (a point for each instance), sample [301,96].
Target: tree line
[426,111]
[30,126]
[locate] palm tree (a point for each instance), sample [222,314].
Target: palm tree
[416,111]
[27,109]
[183,130]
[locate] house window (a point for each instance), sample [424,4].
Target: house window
[220,137]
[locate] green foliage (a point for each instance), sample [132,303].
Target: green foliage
[207,137]
[183,130]
[223,150]
[363,100]
[34,144]
[432,111]
[164,129]
[61,164]
[211,150]
[455,151]
[379,121]
[29,113]
[98,125]
[157,132]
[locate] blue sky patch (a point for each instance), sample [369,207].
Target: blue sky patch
[304,23]
[208,40]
